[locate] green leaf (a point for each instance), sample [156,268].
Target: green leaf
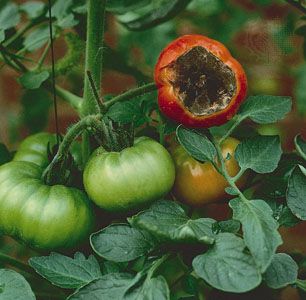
[259,229]
[9,16]
[2,35]
[110,286]
[121,243]
[66,272]
[163,12]
[33,80]
[227,266]
[296,192]
[128,112]
[61,8]
[167,220]
[282,271]
[123,6]
[196,144]
[300,146]
[35,109]
[67,22]
[231,226]
[265,109]
[261,154]
[36,39]
[13,286]
[5,155]
[152,289]
[33,8]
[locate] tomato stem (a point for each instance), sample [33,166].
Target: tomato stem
[71,135]
[147,88]
[237,120]
[6,259]
[93,63]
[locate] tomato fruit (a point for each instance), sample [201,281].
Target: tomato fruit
[199,83]
[200,183]
[130,179]
[34,149]
[42,216]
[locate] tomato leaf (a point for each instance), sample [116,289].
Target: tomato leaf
[265,109]
[196,144]
[36,39]
[67,272]
[123,6]
[261,154]
[153,288]
[231,226]
[33,80]
[282,271]
[296,192]
[14,286]
[259,229]
[227,267]
[9,16]
[300,146]
[161,13]
[167,220]
[5,155]
[33,8]
[110,286]
[121,243]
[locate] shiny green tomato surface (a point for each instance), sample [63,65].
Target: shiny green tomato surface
[130,179]
[42,216]
[34,149]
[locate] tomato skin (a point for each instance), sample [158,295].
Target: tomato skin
[34,149]
[168,101]
[130,179]
[42,216]
[198,183]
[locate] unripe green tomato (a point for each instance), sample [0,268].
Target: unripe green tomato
[130,179]
[34,149]
[42,216]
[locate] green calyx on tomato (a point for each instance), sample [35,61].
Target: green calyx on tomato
[198,183]
[42,216]
[131,178]
[199,83]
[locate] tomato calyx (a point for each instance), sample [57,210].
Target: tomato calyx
[202,82]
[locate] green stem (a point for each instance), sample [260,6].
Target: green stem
[74,100]
[71,135]
[223,171]
[43,56]
[156,265]
[148,88]
[237,120]
[93,62]
[19,33]
[6,259]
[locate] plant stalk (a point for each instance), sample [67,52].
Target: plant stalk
[93,63]
[6,259]
[148,88]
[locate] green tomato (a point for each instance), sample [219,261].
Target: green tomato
[42,216]
[130,179]
[34,149]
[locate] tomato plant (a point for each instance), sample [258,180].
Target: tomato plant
[145,137]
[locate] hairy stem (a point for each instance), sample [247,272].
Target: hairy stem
[93,62]
[6,259]
[238,119]
[71,135]
[148,88]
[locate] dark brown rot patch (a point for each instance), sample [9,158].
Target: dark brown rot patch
[202,81]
